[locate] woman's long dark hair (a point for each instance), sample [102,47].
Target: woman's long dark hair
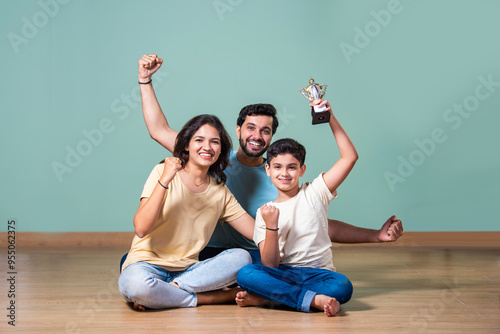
[216,170]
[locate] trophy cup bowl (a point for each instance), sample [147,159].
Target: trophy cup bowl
[314,91]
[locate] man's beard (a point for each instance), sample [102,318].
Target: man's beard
[252,153]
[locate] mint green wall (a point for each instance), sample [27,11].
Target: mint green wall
[396,83]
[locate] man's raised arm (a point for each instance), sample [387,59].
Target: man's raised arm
[155,120]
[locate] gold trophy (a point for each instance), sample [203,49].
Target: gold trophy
[312,92]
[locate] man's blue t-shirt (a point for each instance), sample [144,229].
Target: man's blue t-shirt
[252,188]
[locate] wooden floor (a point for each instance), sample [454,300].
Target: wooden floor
[396,290]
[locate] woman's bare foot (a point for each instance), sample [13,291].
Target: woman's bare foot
[327,304]
[221,296]
[244,298]
[139,307]
[218,296]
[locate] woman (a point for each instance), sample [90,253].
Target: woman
[181,202]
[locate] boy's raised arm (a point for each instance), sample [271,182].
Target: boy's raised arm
[348,154]
[155,120]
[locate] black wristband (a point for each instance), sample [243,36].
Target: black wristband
[272,229]
[145,83]
[162,185]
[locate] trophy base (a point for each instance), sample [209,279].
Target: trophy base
[319,117]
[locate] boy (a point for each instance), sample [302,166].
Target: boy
[292,232]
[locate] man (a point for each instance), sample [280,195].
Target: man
[246,177]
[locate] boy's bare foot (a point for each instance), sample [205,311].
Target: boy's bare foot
[139,307]
[332,307]
[244,298]
[327,304]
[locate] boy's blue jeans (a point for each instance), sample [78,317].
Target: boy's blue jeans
[294,286]
[148,285]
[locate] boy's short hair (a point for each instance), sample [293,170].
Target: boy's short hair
[286,145]
[258,110]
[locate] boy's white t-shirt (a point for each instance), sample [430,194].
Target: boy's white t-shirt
[303,227]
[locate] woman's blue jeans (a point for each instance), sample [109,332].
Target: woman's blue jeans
[148,285]
[294,286]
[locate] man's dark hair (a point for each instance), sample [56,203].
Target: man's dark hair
[257,110]
[286,145]
[216,170]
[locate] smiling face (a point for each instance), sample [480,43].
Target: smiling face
[255,135]
[205,146]
[285,170]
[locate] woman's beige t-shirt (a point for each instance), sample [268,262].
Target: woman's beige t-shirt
[185,223]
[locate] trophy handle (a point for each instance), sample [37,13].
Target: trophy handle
[323,90]
[304,93]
